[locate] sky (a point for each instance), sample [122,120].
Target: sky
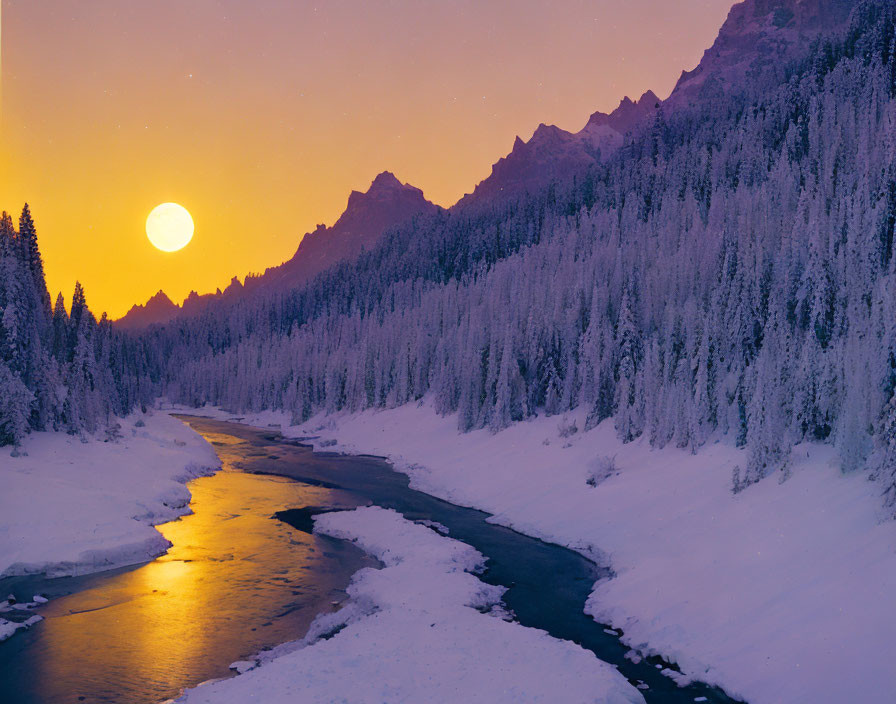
[260,117]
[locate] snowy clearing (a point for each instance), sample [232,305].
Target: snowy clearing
[780,593]
[68,507]
[414,631]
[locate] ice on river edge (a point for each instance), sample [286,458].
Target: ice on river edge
[419,630]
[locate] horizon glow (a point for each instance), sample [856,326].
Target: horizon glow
[264,116]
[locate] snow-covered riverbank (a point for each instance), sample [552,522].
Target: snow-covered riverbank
[415,631]
[780,593]
[68,507]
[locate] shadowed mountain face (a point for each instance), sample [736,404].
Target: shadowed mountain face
[553,153]
[757,42]
[386,204]
[158,309]
[754,47]
[628,115]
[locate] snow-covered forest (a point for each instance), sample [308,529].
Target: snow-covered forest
[59,369]
[729,272]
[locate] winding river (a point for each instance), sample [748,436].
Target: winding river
[238,580]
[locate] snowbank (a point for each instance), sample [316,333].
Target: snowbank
[781,593]
[68,507]
[415,631]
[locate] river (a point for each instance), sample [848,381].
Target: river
[238,580]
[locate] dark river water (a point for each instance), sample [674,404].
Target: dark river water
[238,580]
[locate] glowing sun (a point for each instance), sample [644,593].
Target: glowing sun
[169,227]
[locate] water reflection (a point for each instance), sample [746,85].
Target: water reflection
[234,582]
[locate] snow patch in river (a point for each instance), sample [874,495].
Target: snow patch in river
[412,632]
[783,592]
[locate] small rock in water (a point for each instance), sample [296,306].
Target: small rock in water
[11,598]
[642,685]
[39,599]
[701,699]
[610,631]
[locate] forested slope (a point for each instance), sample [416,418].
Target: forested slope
[59,369]
[729,272]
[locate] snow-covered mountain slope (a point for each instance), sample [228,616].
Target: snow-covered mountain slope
[759,41]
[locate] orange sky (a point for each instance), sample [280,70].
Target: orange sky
[260,117]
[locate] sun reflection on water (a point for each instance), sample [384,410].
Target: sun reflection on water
[234,582]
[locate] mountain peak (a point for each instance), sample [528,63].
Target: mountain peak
[158,309]
[387,203]
[650,97]
[385,186]
[549,132]
[553,152]
[757,41]
[628,114]
[385,179]
[160,299]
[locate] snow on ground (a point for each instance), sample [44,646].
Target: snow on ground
[415,631]
[782,593]
[68,507]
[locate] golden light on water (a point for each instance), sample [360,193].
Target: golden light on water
[235,580]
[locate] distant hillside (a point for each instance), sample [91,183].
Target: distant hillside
[727,273]
[386,204]
[158,309]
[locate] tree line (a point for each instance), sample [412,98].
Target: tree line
[729,273]
[59,369]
